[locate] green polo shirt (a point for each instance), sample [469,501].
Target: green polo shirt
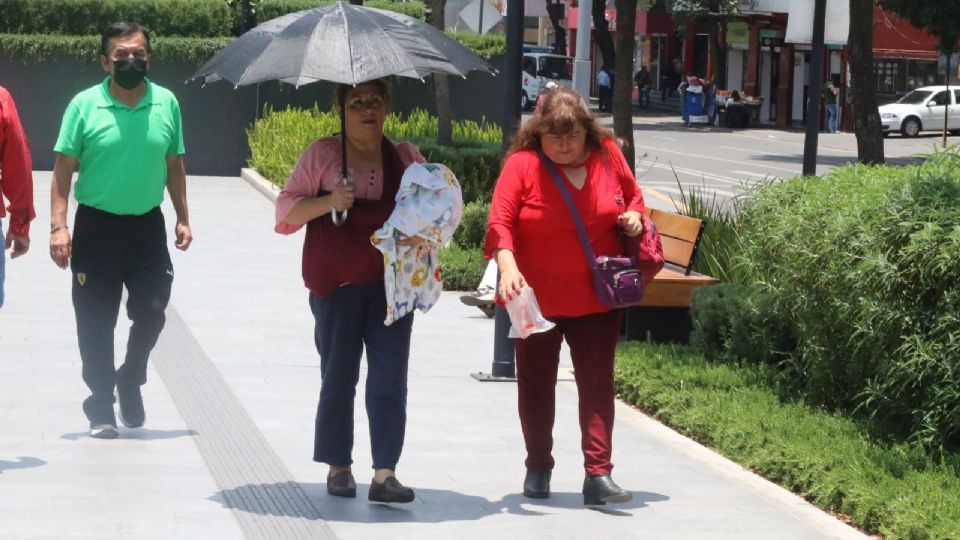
[122,151]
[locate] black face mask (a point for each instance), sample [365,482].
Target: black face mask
[128,74]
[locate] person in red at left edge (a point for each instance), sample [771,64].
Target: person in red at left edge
[16,182]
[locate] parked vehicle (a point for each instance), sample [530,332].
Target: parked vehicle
[922,110]
[539,69]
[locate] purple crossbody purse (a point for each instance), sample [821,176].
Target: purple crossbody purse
[616,280]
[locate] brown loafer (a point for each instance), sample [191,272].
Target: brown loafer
[342,484]
[390,491]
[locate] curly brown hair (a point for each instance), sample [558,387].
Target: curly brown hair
[561,111]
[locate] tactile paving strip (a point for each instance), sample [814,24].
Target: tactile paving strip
[265,499]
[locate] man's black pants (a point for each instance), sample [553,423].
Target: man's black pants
[109,252]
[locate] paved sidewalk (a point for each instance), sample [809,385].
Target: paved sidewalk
[230,407]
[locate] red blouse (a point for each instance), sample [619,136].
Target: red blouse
[529,217]
[16,174]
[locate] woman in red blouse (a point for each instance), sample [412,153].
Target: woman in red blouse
[534,241]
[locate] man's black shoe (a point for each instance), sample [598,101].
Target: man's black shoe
[131,406]
[601,489]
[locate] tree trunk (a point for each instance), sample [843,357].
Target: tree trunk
[441,83]
[602,34]
[555,9]
[623,72]
[866,116]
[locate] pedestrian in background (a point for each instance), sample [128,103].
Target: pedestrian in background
[642,78]
[832,116]
[125,137]
[604,90]
[16,183]
[532,236]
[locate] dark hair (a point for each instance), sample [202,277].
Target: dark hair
[735,95]
[380,84]
[561,111]
[123,29]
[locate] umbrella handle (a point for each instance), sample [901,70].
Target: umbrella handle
[339,218]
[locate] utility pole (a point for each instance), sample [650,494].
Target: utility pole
[581,63]
[816,78]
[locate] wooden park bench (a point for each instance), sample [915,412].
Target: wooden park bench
[663,313]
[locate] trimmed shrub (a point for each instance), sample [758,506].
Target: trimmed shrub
[194,18]
[37,47]
[863,261]
[271,9]
[473,226]
[485,45]
[279,137]
[892,489]
[461,268]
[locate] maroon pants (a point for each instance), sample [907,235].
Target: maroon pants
[592,340]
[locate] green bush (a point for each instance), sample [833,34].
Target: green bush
[32,48]
[279,137]
[194,18]
[461,268]
[711,313]
[271,9]
[473,226]
[476,167]
[485,45]
[892,489]
[863,261]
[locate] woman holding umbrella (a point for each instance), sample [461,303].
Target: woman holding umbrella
[344,273]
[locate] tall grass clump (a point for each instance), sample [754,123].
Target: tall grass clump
[865,265]
[719,242]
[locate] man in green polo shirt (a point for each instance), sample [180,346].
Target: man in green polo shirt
[125,137]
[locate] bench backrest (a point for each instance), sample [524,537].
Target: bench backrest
[680,236]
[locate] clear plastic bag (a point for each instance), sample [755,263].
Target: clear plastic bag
[525,316]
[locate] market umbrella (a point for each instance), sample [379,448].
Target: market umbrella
[340,43]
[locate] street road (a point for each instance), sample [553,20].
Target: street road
[721,161]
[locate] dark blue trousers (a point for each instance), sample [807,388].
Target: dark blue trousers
[347,321]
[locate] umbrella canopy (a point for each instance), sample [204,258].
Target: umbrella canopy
[340,43]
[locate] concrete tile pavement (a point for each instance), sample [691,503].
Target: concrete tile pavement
[239,291]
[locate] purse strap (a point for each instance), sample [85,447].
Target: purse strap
[571,206]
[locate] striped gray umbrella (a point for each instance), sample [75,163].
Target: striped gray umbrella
[340,43]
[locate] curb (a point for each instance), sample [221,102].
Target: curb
[261,184]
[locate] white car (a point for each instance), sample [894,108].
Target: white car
[538,70]
[922,110]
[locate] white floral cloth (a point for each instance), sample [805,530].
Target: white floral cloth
[429,205]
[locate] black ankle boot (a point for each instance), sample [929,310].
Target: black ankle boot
[601,489]
[536,485]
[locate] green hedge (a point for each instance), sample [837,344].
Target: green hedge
[892,489]
[461,267]
[193,18]
[473,226]
[35,48]
[279,137]
[861,268]
[271,9]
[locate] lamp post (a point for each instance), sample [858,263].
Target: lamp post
[816,77]
[503,355]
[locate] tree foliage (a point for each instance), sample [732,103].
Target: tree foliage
[940,18]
